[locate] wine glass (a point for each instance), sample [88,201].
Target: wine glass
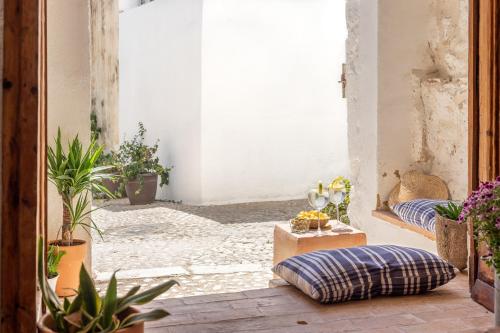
[337,194]
[318,199]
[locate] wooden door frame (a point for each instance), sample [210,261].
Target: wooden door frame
[23,190]
[484,119]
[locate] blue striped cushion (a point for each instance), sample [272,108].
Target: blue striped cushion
[364,272]
[419,212]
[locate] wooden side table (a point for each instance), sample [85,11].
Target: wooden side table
[288,244]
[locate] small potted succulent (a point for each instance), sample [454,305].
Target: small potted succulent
[483,208]
[75,174]
[53,258]
[451,236]
[140,168]
[91,312]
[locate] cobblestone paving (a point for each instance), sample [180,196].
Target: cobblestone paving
[208,249]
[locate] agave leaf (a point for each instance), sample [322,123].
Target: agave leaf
[109,302]
[76,304]
[90,297]
[146,296]
[49,297]
[66,304]
[89,327]
[136,318]
[131,292]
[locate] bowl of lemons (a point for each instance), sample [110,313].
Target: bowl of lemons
[312,217]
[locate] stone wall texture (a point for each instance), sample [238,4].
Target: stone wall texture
[440,96]
[407,102]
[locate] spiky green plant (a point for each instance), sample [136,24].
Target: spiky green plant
[75,173]
[53,258]
[452,211]
[90,312]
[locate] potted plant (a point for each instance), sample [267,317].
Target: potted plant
[140,168]
[74,173]
[483,208]
[451,236]
[90,312]
[53,258]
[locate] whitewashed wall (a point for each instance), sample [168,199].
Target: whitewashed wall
[242,94]
[68,74]
[406,102]
[160,68]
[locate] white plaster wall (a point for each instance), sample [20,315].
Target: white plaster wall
[68,86]
[364,100]
[128,4]
[160,59]
[407,66]
[272,117]
[402,47]
[270,121]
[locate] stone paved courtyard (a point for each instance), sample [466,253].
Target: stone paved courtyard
[208,249]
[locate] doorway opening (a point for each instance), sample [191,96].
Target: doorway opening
[248,112]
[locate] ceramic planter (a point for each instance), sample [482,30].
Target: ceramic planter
[46,323]
[69,266]
[142,194]
[53,282]
[451,241]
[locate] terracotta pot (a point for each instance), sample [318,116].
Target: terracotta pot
[69,266]
[46,323]
[114,186]
[145,194]
[451,241]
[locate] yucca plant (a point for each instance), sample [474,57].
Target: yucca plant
[75,173]
[90,312]
[452,211]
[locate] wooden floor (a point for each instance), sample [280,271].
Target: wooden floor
[284,309]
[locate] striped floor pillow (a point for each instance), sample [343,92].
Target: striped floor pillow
[419,212]
[365,272]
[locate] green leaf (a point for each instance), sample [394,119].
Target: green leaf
[136,318]
[146,296]
[90,297]
[131,292]
[76,304]
[109,302]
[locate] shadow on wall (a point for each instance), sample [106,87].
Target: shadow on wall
[251,212]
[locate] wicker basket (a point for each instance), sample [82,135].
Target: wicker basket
[451,241]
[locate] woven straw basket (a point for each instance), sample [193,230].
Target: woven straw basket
[451,241]
[416,185]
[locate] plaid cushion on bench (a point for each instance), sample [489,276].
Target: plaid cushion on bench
[364,272]
[419,212]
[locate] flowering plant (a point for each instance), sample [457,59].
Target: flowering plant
[483,207]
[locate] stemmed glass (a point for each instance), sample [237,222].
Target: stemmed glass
[318,199]
[336,196]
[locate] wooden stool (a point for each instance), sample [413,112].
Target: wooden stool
[288,244]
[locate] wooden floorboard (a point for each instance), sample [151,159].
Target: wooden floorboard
[285,309]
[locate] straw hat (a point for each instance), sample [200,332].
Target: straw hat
[416,185]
